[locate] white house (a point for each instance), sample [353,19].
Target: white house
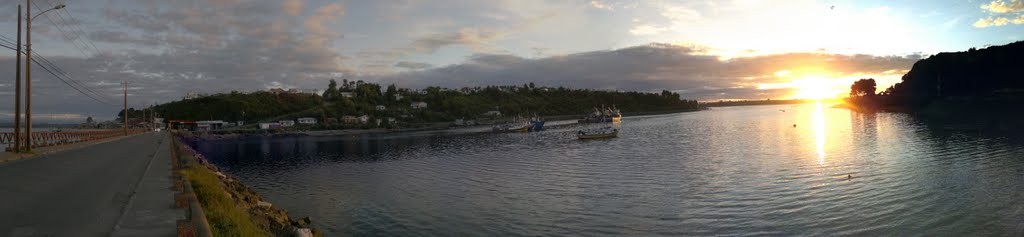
[381,108]
[287,123]
[346,94]
[364,119]
[307,121]
[398,97]
[270,125]
[418,105]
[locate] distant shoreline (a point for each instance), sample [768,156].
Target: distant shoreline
[230,134]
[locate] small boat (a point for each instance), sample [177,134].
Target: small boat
[607,132]
[517,125]
[537,124]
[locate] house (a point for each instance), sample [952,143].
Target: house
[349,119]
[191,95]
[346,94]
[287,123]
[331,120]
[209,125]
[307,121]
[398,97]
[381,108]
[270,125]
[418,105]
[493,113]
[364,119]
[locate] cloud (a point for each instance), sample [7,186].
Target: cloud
[647,30]
[647,68]
[466,36]
[999,6]
[601,5]
[1004,13]
[292,7]
[412,65]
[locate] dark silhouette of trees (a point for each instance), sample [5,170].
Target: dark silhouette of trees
[973,73]
[332,91]
[863,87]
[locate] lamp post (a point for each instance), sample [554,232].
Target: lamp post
[28,70]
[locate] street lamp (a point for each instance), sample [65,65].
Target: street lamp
[28,70]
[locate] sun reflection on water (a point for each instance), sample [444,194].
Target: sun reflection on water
[819,132]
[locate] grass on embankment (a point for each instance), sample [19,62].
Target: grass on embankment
[226,218]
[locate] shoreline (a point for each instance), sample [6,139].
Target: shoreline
[431,127]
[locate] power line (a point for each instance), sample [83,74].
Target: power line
[72,39]
[84,36]
[48,70]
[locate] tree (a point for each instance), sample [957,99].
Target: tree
[863,87]
[390,93]
[332,91]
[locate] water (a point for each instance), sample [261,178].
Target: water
[727,171]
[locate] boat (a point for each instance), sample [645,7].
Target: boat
[603,115]
[537,124]
[517,125]
[607,132]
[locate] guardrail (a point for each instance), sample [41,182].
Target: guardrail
[45,139]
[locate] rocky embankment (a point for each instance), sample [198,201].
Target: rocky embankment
[274,220]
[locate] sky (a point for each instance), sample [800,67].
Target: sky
[705,50]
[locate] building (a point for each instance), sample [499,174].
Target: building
[418,105]
[270,125]
[398,97]
[287,123]
[307,121]
[381,108]
[191,95]
[364,119]
[349,119]
[346,94]
[210,125]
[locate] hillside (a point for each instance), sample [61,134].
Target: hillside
[443,105]
[990,72]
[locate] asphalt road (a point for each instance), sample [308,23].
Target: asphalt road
[82,192]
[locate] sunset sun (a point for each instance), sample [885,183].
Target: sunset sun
[814,88]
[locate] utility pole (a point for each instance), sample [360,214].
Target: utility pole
[28,76]
[28,70]
[17,89]
[125,107]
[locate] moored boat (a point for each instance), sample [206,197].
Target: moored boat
[517,125]
[603,115]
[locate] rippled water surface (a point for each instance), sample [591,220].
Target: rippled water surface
[727,171]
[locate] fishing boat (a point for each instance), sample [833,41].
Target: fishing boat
[537,123]
[517,125]
[603,115]
[607,132]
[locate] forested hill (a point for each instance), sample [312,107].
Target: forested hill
[358,98]
[993,71]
